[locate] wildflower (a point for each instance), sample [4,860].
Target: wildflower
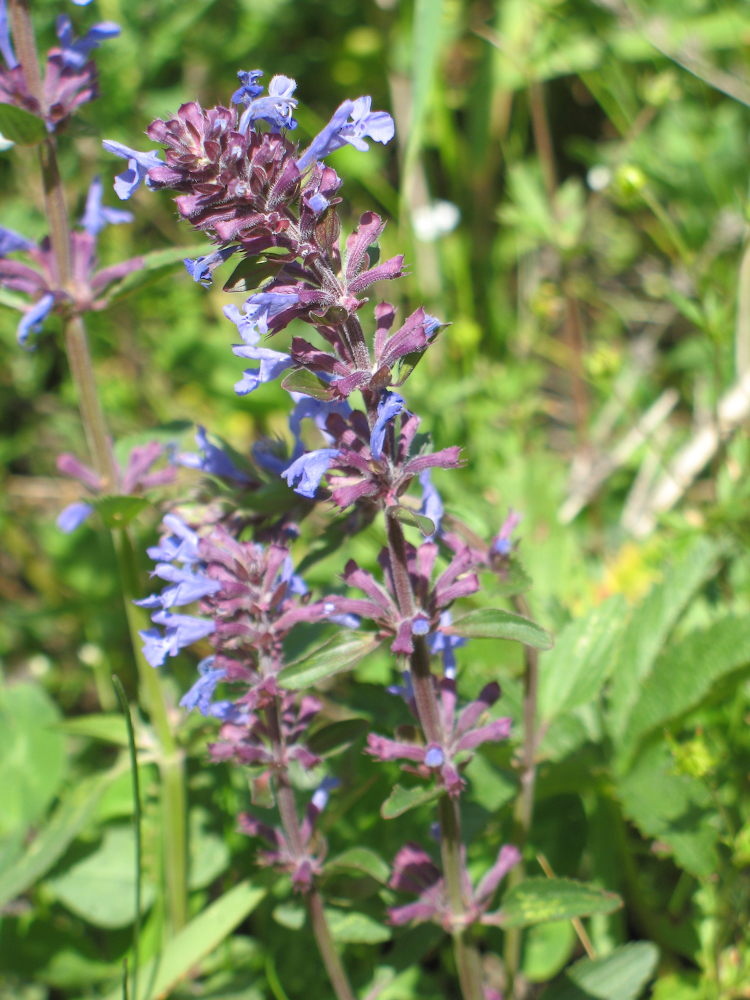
[213,460]
[202,268]
[75,52]
[441,643]
[34,317]
[6,45]
[97,215]
[460,738]
[308,470]
[249,87]
[11,242]
[139,165]
[302,868]
[200,694]
[351,122]
[276,109]
[136,477]
[415,872]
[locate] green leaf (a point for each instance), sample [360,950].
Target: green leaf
[13,301]
[32,755]
[339,653]
[684,675]
[355,928]
[409,516]
[117,511]
[360,859]
[70,817]
[290,915]
[547,949]
[650,625]
[337,737]
[157,264]
[21,126]
[583,658]
[491,788]
[101,888]
[158,977]
[428,15]
[676,809]
[512,579]
[252,272]
[110,728]
[540,900]
[621,975]
[209,854]
[306,382]
[402,799]
[494,623]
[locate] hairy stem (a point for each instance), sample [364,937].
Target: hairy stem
[468,960]
[290,822]
[524,807]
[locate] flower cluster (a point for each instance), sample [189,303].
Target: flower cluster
[40,279]
[137,477]
[460,737]
[70,77]
[416,873]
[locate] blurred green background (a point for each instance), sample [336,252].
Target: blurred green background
[569,183]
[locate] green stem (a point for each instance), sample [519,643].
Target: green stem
[137,829]
[290,823]
[171,759]
[524,807]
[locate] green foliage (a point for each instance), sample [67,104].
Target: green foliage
[494,623]
[542,900]
[341,652]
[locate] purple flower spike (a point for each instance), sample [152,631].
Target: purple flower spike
[309,470]
[75,53]
[33,319]
[11,242]
[200,694]
[390,405]
[6,46]
[249,87]
[74,516]
[139,165]
[97,215]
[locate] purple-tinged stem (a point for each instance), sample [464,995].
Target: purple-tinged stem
[468,959]
[524,807]
[290,822]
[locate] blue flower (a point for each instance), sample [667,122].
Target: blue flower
[309,469]
[323,791]
[249,87]
[213,460]
[81,3]
[345,620]
[33,319]
[75,53]
[139,165]
[11,242]
[276,109]
[434,757]
[295,583]
[202,268]
[259,309]
[390,405]
[186,588]
[74,516]
[181,546]
[351,122]
[272,364]
[96,215]
[200,694]
[6,46]
[438,642]
[181,631]
[317,410]
[432,505]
